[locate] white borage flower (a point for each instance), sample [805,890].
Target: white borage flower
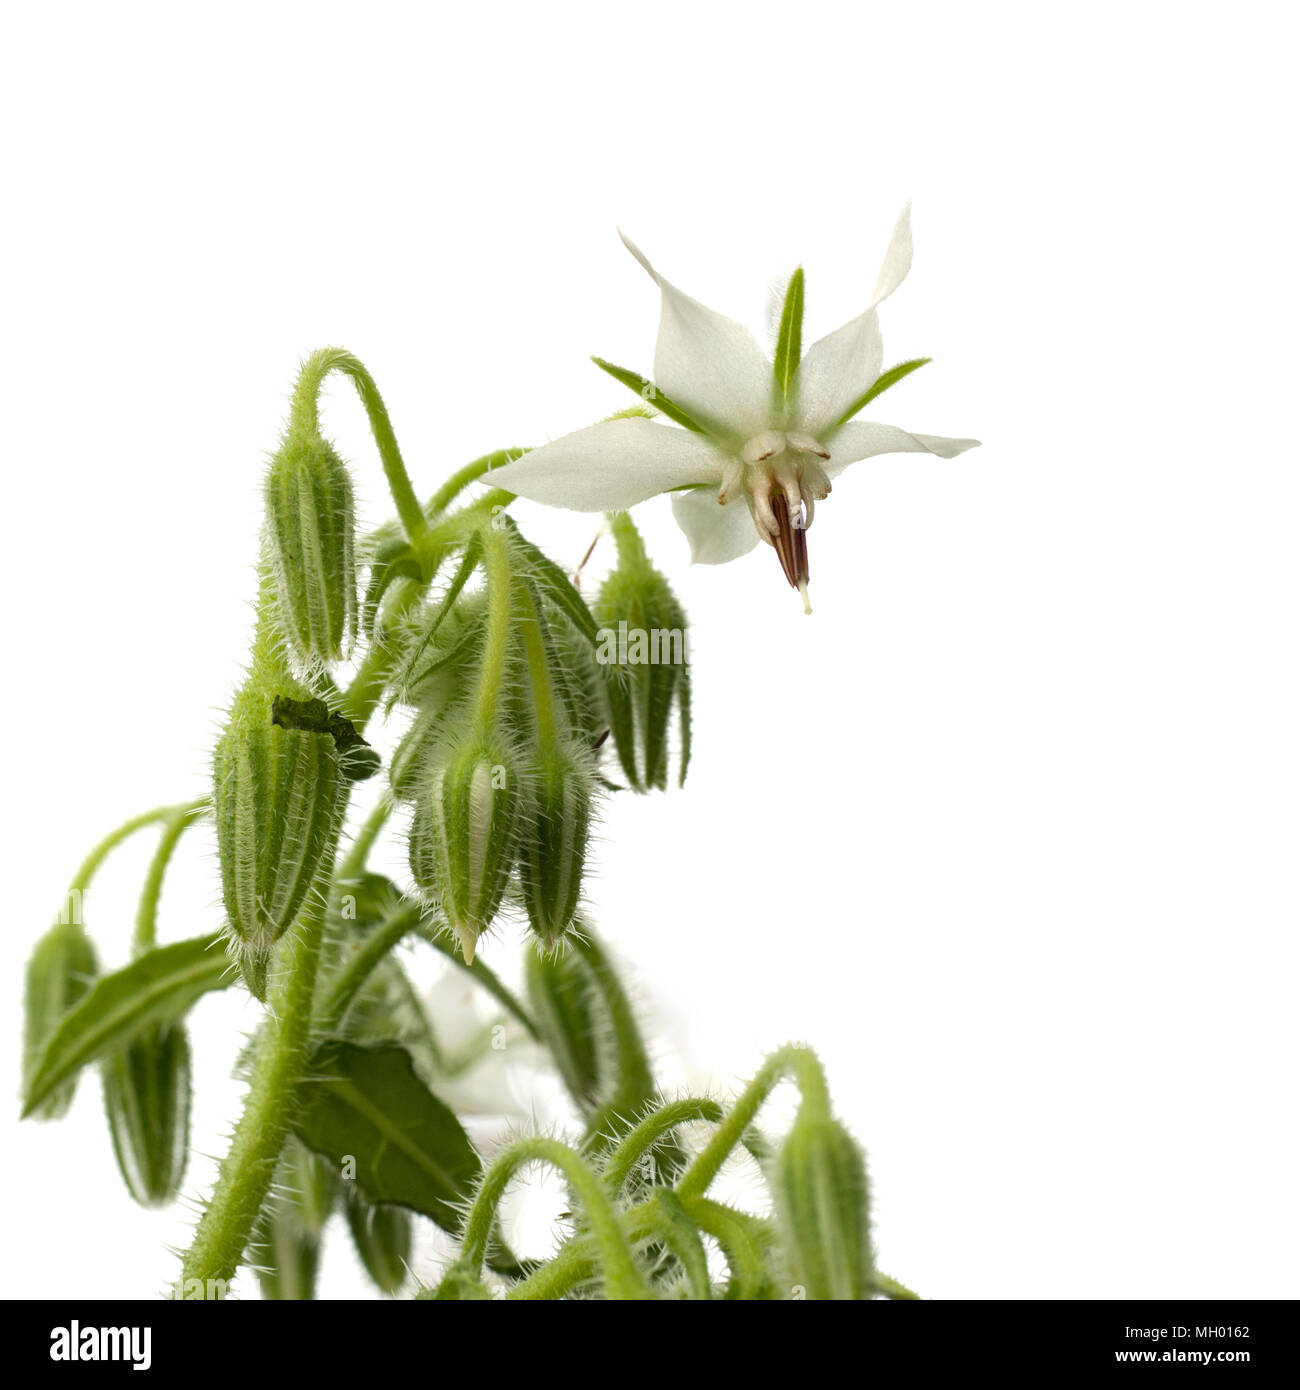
[759,441]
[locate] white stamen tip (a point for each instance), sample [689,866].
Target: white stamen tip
[803,594]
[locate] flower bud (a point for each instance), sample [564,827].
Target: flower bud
[310,525]
[643,660]
[381,1233]
[60,971]
[553,845]
[277,791]
[287,1237]
[561,998]
[820,1183]
[147,1096]
[462,842]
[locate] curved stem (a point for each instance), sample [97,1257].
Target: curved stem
[496,639]
[622,1278]
[146,917]
[246,1172]
[796,1062]
[739,1236]
[90,864]
[470,473]
[305,416]
[643,1137]
[362,961]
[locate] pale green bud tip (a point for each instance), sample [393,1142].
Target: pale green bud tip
[310,536]
[462,842]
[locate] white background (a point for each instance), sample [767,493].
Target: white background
[1007,829]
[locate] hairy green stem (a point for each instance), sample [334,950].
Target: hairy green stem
[470,473]
[305,416]
[644,1136]
[146,917]
[246,1172]
[622,1278]
[795,1062]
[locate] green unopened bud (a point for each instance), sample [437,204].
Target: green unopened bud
[562,1000]
[553,845]
[60,971]
[463,837]
[147,1097]
[644,662]
[277,791]
[310,526]
[287,1239]
[382,1234]
[820,1182]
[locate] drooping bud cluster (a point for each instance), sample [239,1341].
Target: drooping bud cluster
[500,760]
[310,540]
[279,776]
[644,662]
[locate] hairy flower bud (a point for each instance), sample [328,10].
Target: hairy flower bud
[463,834]
[381,1233]
[147,1098]
[310,525]
[644,663]
[287,1238]
[277,791]
[60,971]
[561,998]
[556,822]
[820,1182]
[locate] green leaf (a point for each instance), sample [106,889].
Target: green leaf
[364,1106]
[789,341]
[159,986]
[650,393]
[882,384]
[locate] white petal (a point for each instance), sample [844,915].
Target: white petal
[708,364]
[862,439]
[898,259]
[836,370]
[717,533]
[611,466]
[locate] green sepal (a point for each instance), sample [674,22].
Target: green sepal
[789,340]
[650,393]
[552,581]
[882,384]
